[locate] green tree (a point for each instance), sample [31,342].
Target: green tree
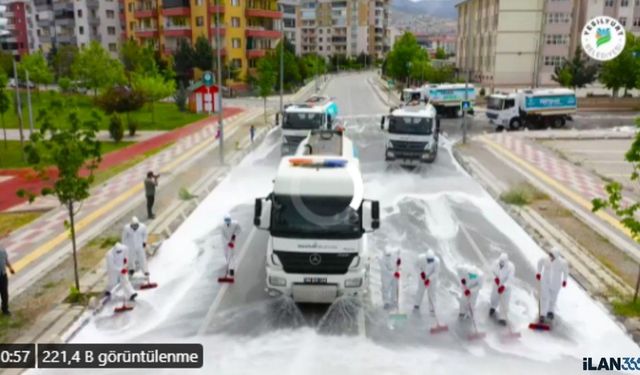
[71,146]
[95,69]
[137,59]
[153,88]
[5,103]
[575,72]
[399,60]
[181,97]
[292,76]
[36,65]
[6,63]
[183,61]
[65,84]
[622,72]
[121,99]
[203,54]
[62,59]
[442,74]
[116,129]
[265,81]
[440,54]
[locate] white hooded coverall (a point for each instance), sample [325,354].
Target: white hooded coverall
[471,284]
[135,240]
[117,269]
[430,271]
[553,275]
[390,284]
[502,277]
[230,233]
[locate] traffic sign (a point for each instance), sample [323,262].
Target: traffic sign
[207,79]
[465,105]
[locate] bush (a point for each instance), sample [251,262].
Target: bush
[120,99]
[522,195]
[482,92]
[116,129]
[65,85]
[132,126]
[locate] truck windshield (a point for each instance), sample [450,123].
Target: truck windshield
[409,96]
[410,125]
[495,103]
[314,217]
[303,121]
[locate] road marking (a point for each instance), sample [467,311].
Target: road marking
[223,290]
[473,244]
[556,185]
[51,244]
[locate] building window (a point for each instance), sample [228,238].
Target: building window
[624,3]
[131,5]
[81,30]
[235,43]
[200,21]
[79,13]
[636,22]
[113,47]
[235,3]
[552,60]
[111,14]
[556,39]
[111,30]
[236,63]
[623,21]
[558,18]
[235,21]
[609,3]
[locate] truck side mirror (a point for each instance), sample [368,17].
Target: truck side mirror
[262,213]
[438,125]
[382,122]
[370,215]
[278,119]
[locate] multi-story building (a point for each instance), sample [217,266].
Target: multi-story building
[519,43]
[20,38]
[343,27]
[78,22]
[247,28]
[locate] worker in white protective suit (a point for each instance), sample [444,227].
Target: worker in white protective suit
[230,232]
[390,277]
[503,275]
[429,266]
[117,269]
[552,275]
[471,282]
[134,237]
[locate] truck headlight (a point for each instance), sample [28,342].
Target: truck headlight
[353,283]
[391,154]
[277,281]
[355,263]
[275,260]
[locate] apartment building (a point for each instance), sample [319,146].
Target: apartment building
[519,43]
[21,38]
[345,27]
[78,22]
[247,28]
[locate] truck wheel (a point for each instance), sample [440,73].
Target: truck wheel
[515,124]
[557,122]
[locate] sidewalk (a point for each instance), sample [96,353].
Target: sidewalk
[35,248]
[23,178]
[103,135]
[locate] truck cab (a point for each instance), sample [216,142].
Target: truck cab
[502,110]
[318,222]
[411,95]
[412,134]
[318,112]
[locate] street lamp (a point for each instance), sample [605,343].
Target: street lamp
[281,61]
[219,63]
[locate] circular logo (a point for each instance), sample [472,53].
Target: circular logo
[603,38]
[315,259]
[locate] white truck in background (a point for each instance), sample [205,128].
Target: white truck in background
[317,112]
[413,94]
[318,222]
[412,134]
[447,98]
[531,108]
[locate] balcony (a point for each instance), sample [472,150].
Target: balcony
[145,13]
[256,32]
[215,30]
[177,31]
[147,32]
[216,8]
[256,53]
[178,11]
[263,13]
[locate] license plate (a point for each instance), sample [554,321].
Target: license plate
[315,280]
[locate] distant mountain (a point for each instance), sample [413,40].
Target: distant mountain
[434,8]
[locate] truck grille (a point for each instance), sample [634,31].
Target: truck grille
[492,116]
[294,139]
[408,146]
[328,263]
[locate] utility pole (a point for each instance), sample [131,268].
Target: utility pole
[281,68]
[219,62]
[29,102]
[467,73]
